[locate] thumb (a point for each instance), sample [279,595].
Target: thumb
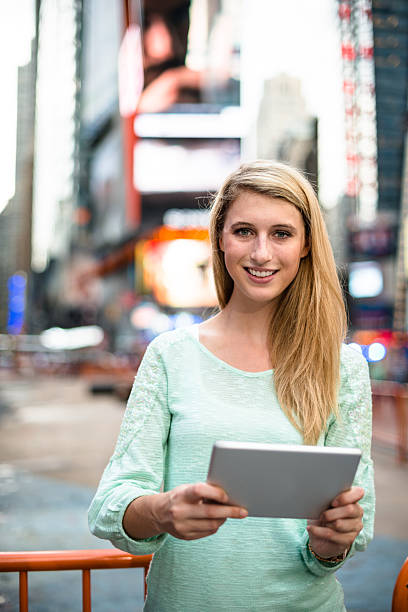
[195,493]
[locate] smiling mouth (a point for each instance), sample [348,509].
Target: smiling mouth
[260,273]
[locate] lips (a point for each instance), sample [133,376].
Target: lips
[260,273]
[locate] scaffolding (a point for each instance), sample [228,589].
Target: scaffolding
[357,53]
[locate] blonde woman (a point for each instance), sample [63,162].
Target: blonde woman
[270,367]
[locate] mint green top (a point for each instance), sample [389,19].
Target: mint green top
[183,399]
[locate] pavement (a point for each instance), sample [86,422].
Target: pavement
[55,440]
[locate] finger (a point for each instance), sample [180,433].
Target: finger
[202,490]
[329,535]
[203,525]
[346,525]
[220,511]
[351,496]
[195,529]
[348,511]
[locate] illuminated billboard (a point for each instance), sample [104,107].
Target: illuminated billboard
[190,51]
[179,93]
[175,268]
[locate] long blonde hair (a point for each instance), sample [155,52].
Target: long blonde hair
[310,321]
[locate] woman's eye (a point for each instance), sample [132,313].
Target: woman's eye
[282,234]
[243,231]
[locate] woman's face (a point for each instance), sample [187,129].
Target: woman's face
[263,240]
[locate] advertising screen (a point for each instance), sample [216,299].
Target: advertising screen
[190,53]
[177,271]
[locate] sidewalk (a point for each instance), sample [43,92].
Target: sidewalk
[39,513]
[55,439]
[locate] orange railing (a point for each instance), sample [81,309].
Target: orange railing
[56,560]
[400,594]
[87,560]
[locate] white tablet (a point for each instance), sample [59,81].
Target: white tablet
[280,480]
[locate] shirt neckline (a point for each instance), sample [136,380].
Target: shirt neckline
[195,334]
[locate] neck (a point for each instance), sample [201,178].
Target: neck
[252,321]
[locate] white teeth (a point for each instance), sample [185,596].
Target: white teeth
[260,274]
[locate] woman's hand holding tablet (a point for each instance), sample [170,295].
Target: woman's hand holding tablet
[184,513]
[338,527]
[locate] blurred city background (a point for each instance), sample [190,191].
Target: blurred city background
[119,120]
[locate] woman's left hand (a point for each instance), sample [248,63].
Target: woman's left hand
[338,527]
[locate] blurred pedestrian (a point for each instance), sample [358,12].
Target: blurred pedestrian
[270,367]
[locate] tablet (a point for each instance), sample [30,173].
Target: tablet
[281,480]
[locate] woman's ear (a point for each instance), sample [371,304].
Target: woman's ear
[221,243]
[305,250]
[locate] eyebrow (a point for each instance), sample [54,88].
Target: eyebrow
[287,226]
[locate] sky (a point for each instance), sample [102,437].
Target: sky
[16,32]
[301,38]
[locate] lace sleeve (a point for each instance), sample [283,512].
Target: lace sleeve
[353,429]
[136,467]
[147,401]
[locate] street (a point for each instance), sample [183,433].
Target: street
[55,440]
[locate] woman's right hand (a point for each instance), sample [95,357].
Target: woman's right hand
[187,512]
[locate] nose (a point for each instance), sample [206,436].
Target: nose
[261,250]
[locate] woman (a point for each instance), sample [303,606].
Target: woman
[270,367]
